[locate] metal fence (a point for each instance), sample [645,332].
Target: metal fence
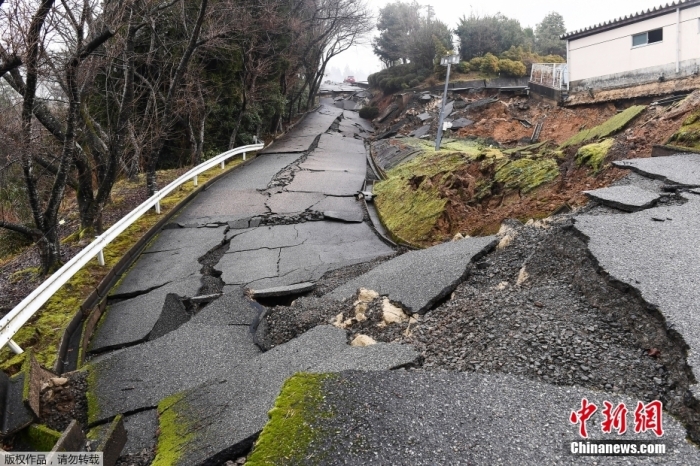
[15,319]
[554,75]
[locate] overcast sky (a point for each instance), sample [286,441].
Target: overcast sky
[360,60]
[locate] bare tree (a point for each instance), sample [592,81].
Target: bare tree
[46,24]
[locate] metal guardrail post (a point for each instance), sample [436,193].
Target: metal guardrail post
[223,164]
[100,253]
[195,180]
[15,347]
[157,206]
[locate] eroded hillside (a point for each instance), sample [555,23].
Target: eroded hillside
[507,157]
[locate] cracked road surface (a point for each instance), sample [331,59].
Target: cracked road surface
[153,342]
[289,218]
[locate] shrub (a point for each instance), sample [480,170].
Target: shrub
[489,64]
[398,77]
[516,69]
[475,63]
[369,112]
[463,67]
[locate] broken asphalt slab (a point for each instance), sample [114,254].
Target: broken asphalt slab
[130,321]
[331,183]
[681,169]
[139,377]
[141,432]
[420,132]
[220,419]
[419,279]
[336,153]
[232,308]
[299,288]
[175,259]
[628,198]
[224,205]
[289,203]
[302,136]
[282,255]
[427,418]
[655,251]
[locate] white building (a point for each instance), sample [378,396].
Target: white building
[655,45]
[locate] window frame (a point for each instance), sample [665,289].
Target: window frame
[646,33]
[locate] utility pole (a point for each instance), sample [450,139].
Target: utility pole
[444,61]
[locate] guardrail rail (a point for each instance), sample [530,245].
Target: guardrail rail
[25,310]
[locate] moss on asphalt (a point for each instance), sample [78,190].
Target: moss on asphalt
[174,431]
[286,438]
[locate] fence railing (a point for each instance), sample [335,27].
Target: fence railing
[554,75]
[15,319]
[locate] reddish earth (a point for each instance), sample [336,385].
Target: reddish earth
[500,121]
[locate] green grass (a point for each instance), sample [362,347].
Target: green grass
[289,432]
[409,212]
[610,127]
[413,197]
[44,331]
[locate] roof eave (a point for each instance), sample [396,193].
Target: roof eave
[631,19]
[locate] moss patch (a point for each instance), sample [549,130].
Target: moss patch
[610,127]
[39,437]
[93,408]
[409,201]
[688,135]
[175,432]
[593,155]
[525,175]
[417,194]
[44,331]
[289,432]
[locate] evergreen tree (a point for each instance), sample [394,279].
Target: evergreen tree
[548,33]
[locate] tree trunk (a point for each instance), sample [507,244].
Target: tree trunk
[167,114]
[234,134]
[49,252]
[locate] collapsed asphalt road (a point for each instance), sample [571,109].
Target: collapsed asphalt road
[535,309]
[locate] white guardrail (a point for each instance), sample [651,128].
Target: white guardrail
[15,319]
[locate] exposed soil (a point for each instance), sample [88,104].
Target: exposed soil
[508,123]
[60,404]
[485,218]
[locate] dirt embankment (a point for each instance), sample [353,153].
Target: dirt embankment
[503,174]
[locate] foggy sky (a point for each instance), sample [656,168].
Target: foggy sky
[360,60]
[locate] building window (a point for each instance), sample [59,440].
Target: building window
[649,37]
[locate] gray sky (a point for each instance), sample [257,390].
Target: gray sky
[577,14]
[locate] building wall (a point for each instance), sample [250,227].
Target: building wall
[610,53]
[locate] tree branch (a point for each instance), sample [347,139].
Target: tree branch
[31,233]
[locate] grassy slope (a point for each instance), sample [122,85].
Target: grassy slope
[44,331]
